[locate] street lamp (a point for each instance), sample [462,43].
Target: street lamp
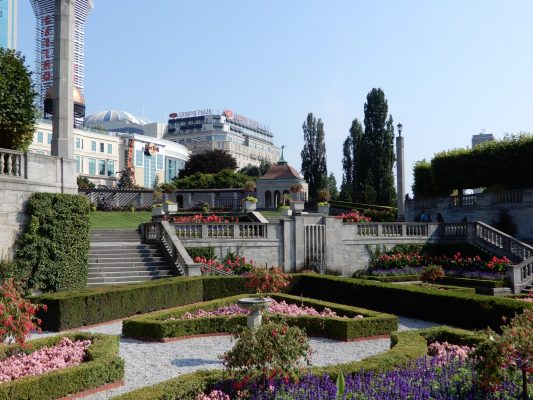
[400,126]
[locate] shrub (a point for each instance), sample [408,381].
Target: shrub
[431,273]
[251,199]
[353,217]
[267,280]
[208,252]
[52,253]
[17,315]
[273,350]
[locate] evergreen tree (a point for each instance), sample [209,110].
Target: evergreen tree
[348,169]
[17,95]
[314,168]
[208,162]
[359,160]
[332,187]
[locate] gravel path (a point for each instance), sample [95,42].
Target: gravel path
[148,363]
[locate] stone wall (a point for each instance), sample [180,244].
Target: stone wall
[38,173]
[484,207]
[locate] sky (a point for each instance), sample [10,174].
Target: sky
[449,69]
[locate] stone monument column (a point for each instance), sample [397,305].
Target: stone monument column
[400,175]
[63,83]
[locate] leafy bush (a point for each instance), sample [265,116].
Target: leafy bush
[273,350]
[267,280]
[52,253]
[207,252]
[431,273]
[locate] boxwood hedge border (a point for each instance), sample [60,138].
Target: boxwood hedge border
[156,326]
[406,347]
[103,367]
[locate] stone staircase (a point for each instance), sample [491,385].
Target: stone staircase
[528,289]
[117,256]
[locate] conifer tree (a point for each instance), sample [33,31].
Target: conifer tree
[314,168]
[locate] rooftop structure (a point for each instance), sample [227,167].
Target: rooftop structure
[481,138]
[8,23]
[249,141]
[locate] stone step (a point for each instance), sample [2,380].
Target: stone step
[116,240]
[128,274]
[113,231]
[95,270]
[109,258]
[120,263]
[113,280]
[115,248]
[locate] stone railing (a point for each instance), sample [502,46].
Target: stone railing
[394,229]
[485,236]
[12,163]
[209,270]
[512,196]
[242,230]
[163,233]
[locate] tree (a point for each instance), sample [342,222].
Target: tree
[378,146]
[84,183]
[314,168]
[332,187]
[347,167]
[126,179]
[209,162]
[359,160]
[17,96]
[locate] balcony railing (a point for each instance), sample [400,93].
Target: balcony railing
[12,163]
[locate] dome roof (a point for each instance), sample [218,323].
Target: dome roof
[113,115]
[77,96]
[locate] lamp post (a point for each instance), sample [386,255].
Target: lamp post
[400,175]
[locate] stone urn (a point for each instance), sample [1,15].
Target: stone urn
[256,305]
[286,212]
[250,205]
[297,206]
[157,211]
[323,210]
[170,208]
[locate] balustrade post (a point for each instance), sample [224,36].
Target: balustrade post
[234,228]
[203,232]
[380,229]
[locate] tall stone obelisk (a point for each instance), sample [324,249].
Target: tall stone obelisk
[400,175]
[63,86]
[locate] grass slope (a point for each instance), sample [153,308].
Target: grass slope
[118,219]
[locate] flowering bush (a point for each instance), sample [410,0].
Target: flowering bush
[353,217]
[237,266]
[275,307]
[503,356]
[432,272]
[380,215]
[267,280]
[200,219]
[214,395]
[446,352]
[65,354]
[456,262]
[251,199]
[273,350]
[17,315]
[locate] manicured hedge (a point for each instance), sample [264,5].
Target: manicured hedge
[406,347]
[447,280]
[157,326]
[103,366]
[77,308]
[505,162]
[53,251]
[450,307]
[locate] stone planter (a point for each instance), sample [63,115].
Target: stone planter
[286,212]
[250,205]
[170,208]
[157,211]
[323,210]
[297,206]
[256,305]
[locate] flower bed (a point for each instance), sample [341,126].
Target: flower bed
[56,368]
[201,219]
[237,266]
[65,354]
[275,307]
[222,316]
[406,347]
[353,217]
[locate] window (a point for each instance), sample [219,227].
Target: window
[39,137]
[49,141]
[139,158]
[92,166]
[102,147]
[78,143]
[78,164]
[110,168]
[159,163]
[110,148]
[101,167]
[93,145]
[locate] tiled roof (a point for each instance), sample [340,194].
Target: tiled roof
[281,171]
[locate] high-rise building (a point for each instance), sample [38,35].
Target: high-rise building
[8,23]
[44,44]
[482,138]
[249,141]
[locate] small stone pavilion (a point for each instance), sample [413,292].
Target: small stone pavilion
[276,182]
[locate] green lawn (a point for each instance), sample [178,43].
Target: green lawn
[271,214]
[118,219]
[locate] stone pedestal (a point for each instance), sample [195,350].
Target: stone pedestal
[256,305]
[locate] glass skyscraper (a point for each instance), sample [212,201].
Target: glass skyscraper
[44,44]
[8,23]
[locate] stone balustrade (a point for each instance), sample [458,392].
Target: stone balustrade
[12,163]
[395,229]
[241,230]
